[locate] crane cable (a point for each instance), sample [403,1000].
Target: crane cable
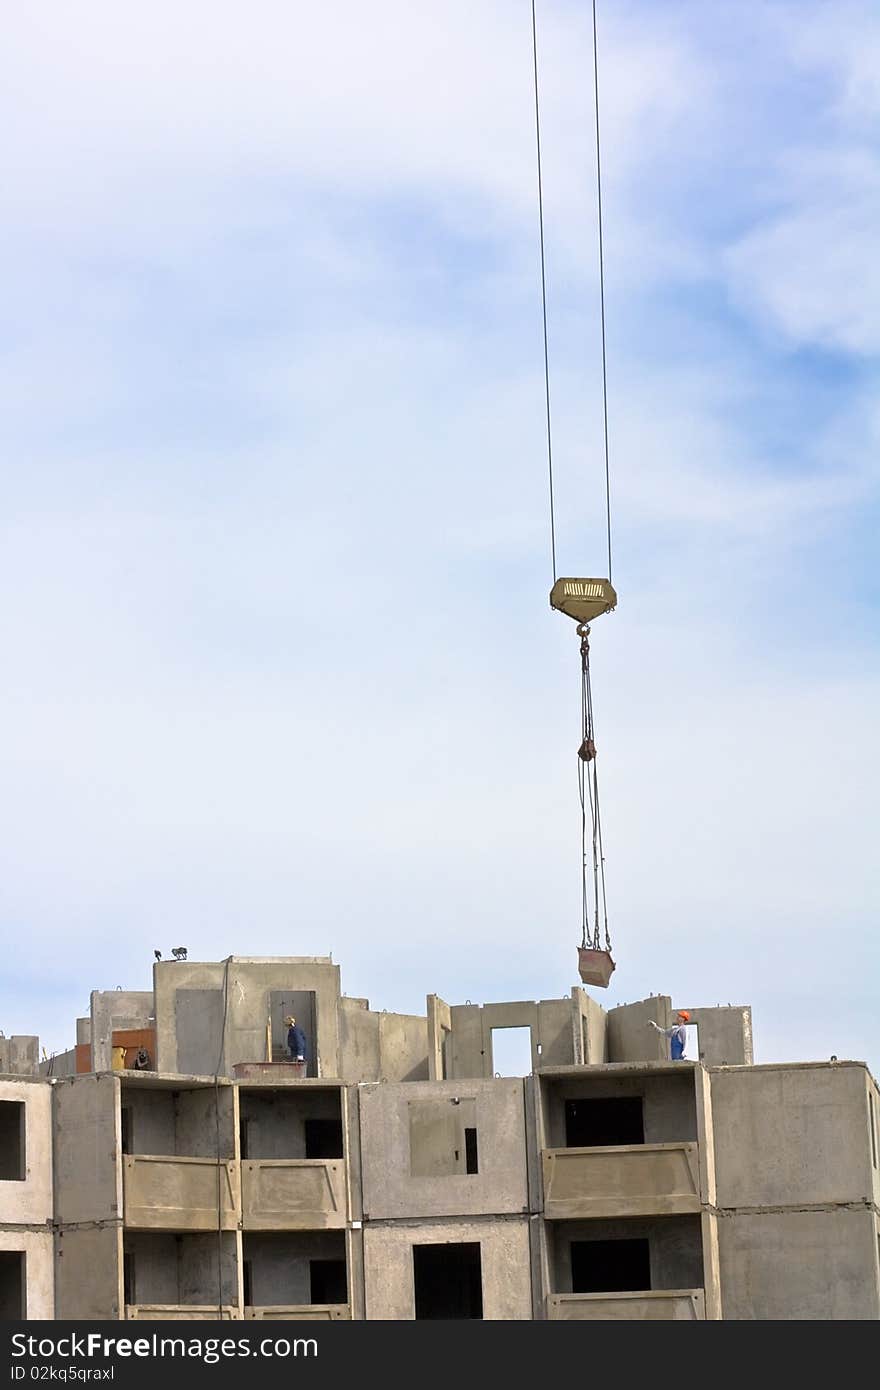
[601,243]
[588,778]
[592,853]
[544,295]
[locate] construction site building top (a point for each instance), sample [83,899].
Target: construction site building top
[583,599]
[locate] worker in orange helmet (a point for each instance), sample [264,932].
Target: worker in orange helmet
[677,1035]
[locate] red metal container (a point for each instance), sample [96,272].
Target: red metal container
[595,967]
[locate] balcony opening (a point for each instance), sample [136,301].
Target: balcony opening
[291,1122]
[13,1158]
[159,1122]
[471,1158]
[294,1269]
[610,1266]
[328,1281]
[324,1139]
[511,1051]
[180,1270]
[13,1284]
[590,1124]
[448,1281]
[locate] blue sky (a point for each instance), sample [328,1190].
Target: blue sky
[281,676]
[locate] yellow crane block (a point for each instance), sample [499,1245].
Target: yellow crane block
[583,599]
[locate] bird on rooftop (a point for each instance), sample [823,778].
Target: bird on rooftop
[158,955]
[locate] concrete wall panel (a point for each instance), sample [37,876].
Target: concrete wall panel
[792,1135]
[724,1035]
[799,1266]
[358,1042]
[687,1305]
[180,1194]
[88,1273]
[28,1201]
[621,1181]
[20,1055]
[248,984]
[390,1190]
[504,1254]
[293,1194]
[87,1142]
[403,1047]
[466,1049]
[555,1034]
[39,1269]
[631,1039]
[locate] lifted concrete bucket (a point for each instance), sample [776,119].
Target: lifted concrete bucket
[595,967]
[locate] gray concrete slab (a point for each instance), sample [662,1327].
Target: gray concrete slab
[87,1147]
[799,1266]
[26,1152]
[425,1122]
[504,1255]
[792,1135]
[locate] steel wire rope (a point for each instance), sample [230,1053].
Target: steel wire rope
[602,290]
[544,295]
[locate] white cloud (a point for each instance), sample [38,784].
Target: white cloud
[281,672]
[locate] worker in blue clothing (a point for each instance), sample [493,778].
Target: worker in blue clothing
[677,1035]
[296,1040]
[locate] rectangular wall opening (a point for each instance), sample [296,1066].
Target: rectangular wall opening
[324,1138]
[291,1122]
[301,1005]
[158,1267]
[610,1266]
[162,1122]
[13,1285]
[129,1291]
[511,1051]
[13,1159]
[448,1281]
[471,1156]
[294,1269]
[692,1045]
[328,1281]
[590,1124]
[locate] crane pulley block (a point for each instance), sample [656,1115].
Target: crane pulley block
[583,599]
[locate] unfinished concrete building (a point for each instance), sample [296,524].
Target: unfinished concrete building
[174,1164]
